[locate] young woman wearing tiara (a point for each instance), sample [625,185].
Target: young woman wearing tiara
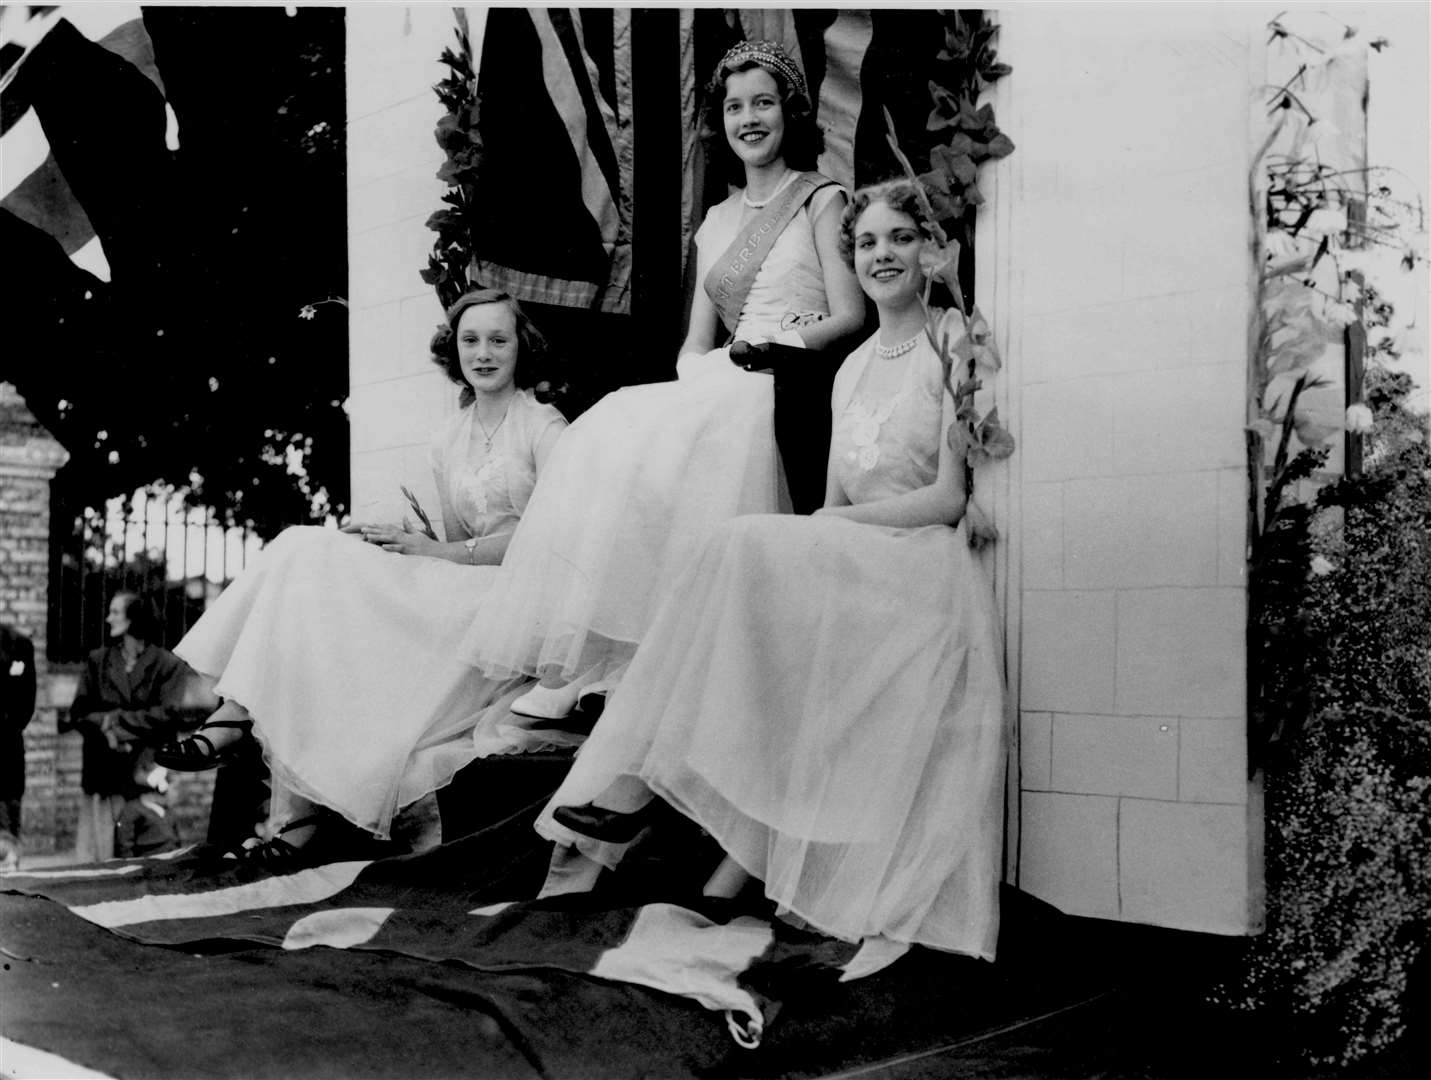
[824,695]
[641,479]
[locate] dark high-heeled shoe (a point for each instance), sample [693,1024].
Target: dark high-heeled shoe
[609,826]
[198,752]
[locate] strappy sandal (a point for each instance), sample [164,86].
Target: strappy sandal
[278,854]
[198,752]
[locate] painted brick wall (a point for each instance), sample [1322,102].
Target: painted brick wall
[1114,259]
[396,394]
[1118,257]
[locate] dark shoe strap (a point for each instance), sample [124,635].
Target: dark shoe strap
[209,755]
[244,724]
[315,818]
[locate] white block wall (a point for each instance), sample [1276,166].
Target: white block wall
[1115,260]
[397,395]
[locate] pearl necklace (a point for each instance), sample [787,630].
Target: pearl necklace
[784,180]
[889,352]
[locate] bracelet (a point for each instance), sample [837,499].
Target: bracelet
[471,545]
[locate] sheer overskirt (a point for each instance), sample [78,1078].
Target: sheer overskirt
[346,657]
[827,701]
[630,494]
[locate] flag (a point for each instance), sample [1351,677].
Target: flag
[469,902]
[39,46]
[556,129]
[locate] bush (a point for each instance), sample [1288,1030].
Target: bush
[1348,784]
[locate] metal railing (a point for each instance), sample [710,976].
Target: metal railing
[155,543]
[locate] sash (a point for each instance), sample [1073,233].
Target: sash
[730,279]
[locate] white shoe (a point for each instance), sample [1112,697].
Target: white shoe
[547,703]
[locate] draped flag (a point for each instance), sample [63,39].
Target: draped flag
[857,62]
[463,903]
[32,185]
[557,92]
[556,131]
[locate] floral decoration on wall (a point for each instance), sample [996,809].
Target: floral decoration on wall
[949,197]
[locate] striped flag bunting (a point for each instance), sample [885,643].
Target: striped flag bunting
[558,89]
[556,129]
[468,903]
[34,42]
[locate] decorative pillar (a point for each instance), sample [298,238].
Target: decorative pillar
[29,459]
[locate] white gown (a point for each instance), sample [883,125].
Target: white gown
[347,655]
[635,487]
[826,698]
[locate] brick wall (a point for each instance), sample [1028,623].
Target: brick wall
[29,458]
[1119,272]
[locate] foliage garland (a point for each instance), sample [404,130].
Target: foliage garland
[949,197]
[457,134]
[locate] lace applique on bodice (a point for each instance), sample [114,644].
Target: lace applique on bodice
[484,483]
[864,429]
[473,489]
[887,443]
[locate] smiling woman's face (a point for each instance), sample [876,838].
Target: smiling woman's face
[887,246]
[487,347]
[754,117]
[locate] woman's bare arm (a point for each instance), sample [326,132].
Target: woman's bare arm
[842,291]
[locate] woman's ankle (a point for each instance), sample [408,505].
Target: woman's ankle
[727,881]
[226,725]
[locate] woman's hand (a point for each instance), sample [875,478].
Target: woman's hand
[110,728]
[751,355]
[982,532]
[401,541]
[355,528]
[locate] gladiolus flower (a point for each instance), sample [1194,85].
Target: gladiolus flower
[1358,419]
[1327,220]
[1338,314]
[1281,245]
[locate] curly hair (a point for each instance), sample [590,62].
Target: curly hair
[899,194]
[803,142]
[532,352]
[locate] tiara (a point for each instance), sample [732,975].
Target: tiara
[769,55]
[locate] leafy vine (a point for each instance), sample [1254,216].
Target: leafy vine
[1338,628]
[457,134]
[949,197]
[1322,228]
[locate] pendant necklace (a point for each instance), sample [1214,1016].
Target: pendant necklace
[488,436]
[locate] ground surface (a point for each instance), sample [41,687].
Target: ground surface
[1067,999]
